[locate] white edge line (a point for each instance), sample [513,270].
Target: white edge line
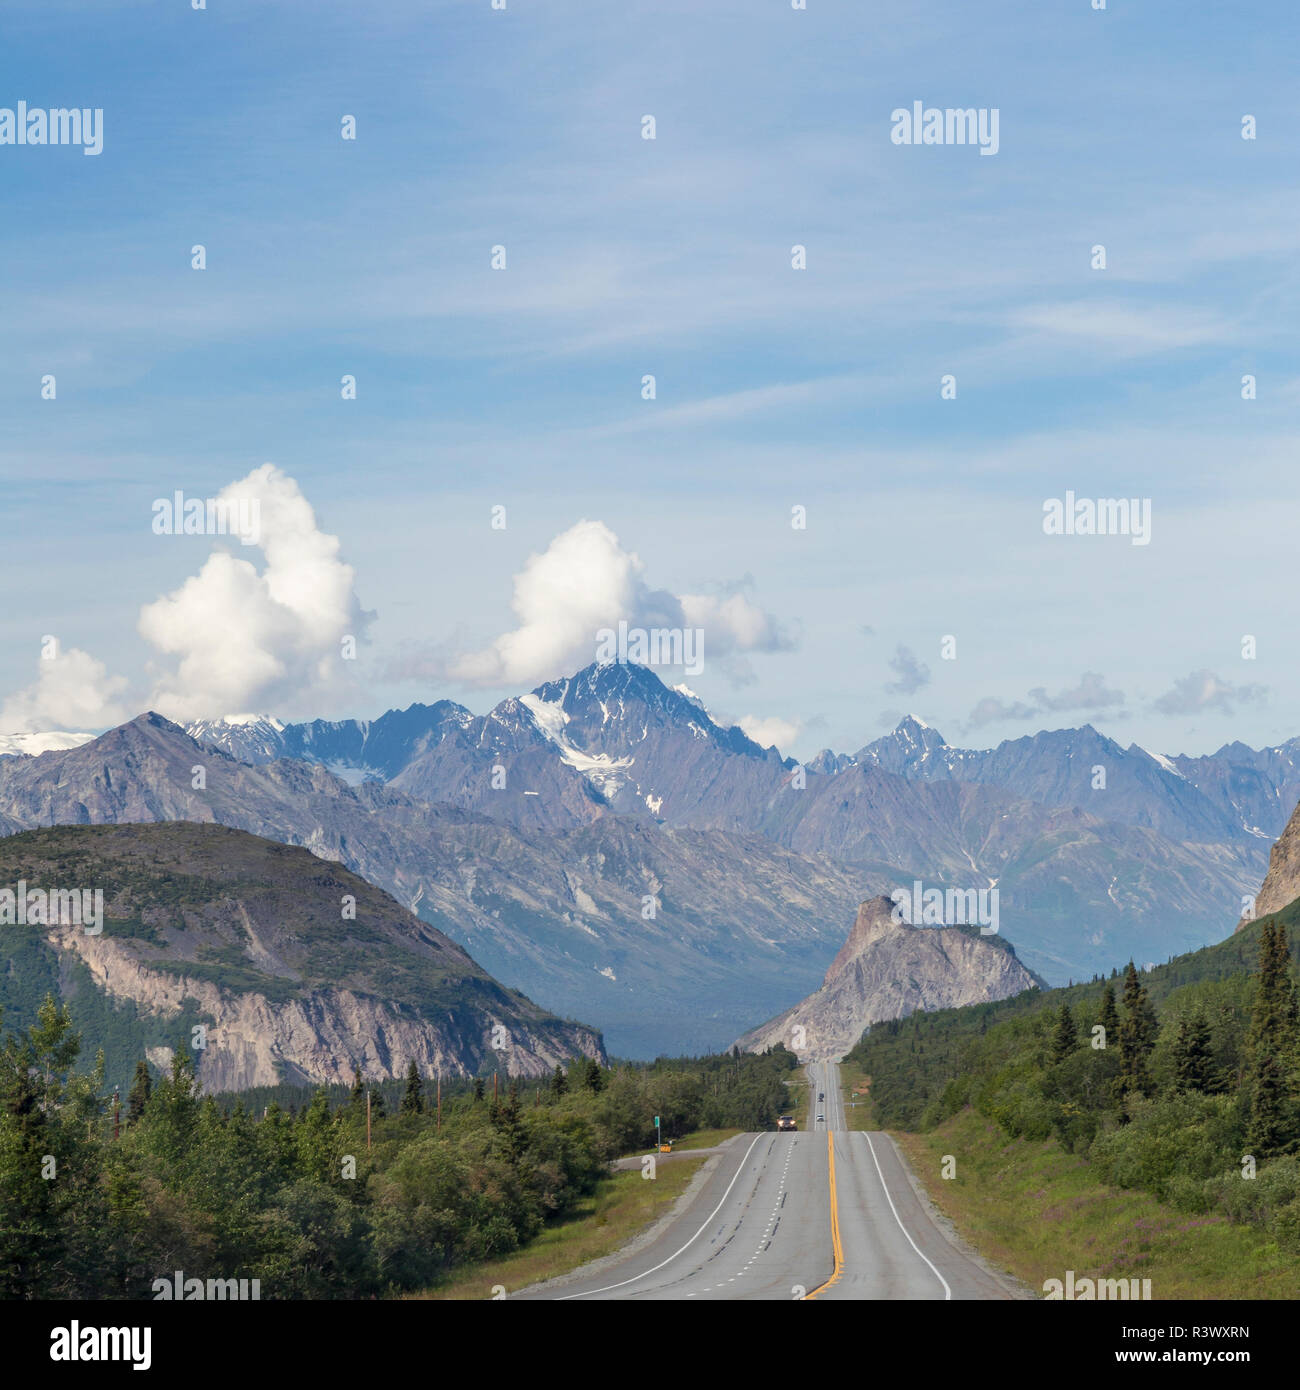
[947,1292]
[692,1240]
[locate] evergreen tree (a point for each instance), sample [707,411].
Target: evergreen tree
[357,1096]
[478,1088]
[559,1082]
[593,1077]
[413,1099]
[1268,1129]
[28,1222]
[1109,1016]
[508,1124]
[1064,1040]
[1137,1037]
[173,1116]
[377,1107]
[1193,1063]
[141,1090]
[1269,1045]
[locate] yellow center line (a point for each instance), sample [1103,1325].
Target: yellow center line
[836,1247]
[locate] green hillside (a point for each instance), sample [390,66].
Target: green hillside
[1194,1097]
[247,915]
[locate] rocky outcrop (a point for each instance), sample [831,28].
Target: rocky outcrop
[888,969]
[1281,884]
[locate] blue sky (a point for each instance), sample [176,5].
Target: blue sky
[775,387]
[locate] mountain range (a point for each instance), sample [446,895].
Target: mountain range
[647,748]
[1097,851]
[605,845]
[677,938]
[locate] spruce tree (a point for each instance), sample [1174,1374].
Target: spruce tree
[559,1082]
[1109,1016]
[593,1077]
[413,1099]
[29,1232]
[141,1090]
[1193,1063]
[357,1097]
[1065,1039]
[1269,1045]
[1137,1037]
[508,1124]
[478,1088]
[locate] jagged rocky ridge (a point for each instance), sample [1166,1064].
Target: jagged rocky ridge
[888,969]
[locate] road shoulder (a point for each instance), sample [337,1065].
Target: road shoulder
[1015,1288]
[646,1237]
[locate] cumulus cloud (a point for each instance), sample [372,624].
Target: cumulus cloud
[249,640]
[586,581]
[771,732]
[1203,690]
[1091,693]
[912,674]
[992,711]
[72,691]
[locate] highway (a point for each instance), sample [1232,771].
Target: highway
[822,1214]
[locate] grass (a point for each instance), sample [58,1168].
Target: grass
[857,1116]
[704,1139]
[1033,1209]
[621,1207]
[697,1139]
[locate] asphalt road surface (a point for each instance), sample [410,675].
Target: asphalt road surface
[823,1214]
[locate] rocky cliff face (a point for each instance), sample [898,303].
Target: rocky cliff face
[886,970]
[255,1041]
[297,969]
[1282,882]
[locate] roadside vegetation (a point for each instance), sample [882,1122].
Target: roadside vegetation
[1181,1083]
[297,1199]
[622,1206]
[1034,1209]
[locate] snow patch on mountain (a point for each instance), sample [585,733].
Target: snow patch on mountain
[1162,761]
[606,774]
